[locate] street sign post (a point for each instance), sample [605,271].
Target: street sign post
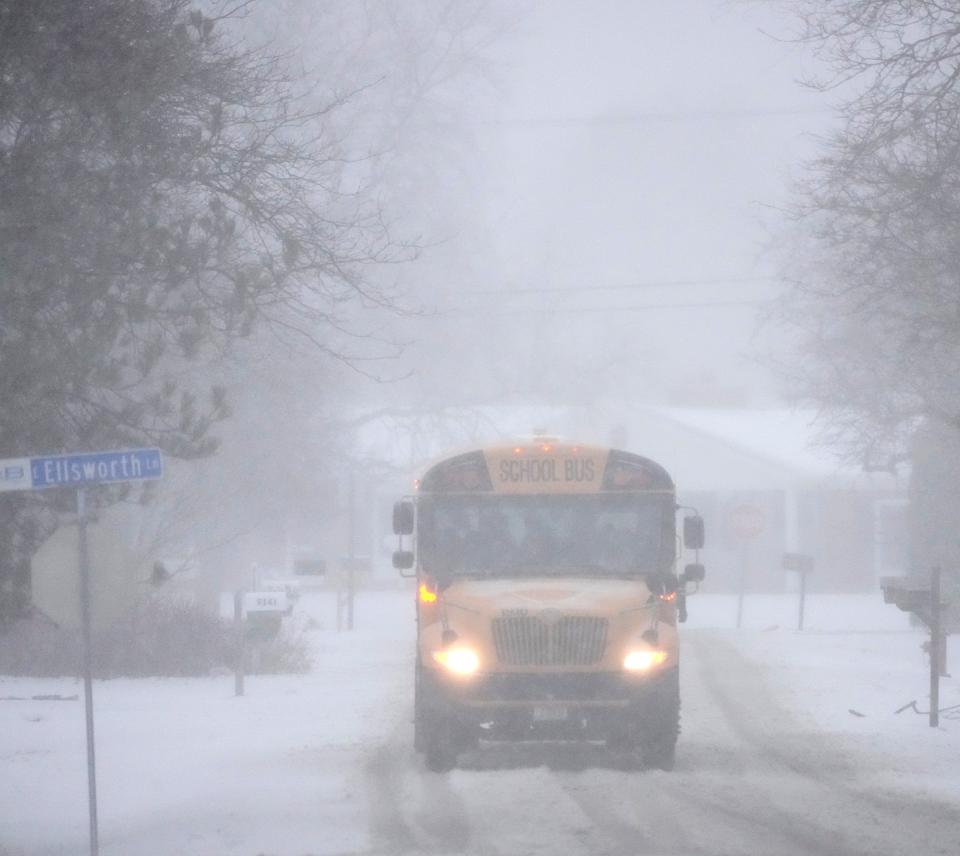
[80,471]
[747,521]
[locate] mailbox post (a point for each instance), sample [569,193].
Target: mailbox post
[240,633]
[802,564]
[925,602]
[936,637]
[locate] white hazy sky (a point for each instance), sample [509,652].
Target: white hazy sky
[684,115]
[640,141]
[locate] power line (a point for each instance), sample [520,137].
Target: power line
[666,283]
[584,310]
[636,118]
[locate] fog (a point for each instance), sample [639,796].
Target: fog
[544,249]
[612,176]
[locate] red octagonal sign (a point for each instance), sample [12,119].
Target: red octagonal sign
[747,521]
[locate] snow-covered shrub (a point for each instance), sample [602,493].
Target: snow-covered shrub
[159,637]
[286,653]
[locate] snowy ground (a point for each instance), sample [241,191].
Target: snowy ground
[771,760]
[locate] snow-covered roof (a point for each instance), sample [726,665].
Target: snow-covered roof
[779,443]
[702,448]
[739,448]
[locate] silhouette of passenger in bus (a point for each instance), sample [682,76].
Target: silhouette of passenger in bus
[614,547]
[490,546]
[450,540]
[539,542]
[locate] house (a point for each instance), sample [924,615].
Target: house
[765,489]
[762,485]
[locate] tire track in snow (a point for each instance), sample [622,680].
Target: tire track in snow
[598,805]
[442,814]
[754,728]
[830,814]
[384,783]
[414,810]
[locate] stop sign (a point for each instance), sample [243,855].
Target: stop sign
[747,521]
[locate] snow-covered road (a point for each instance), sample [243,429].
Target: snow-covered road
[771,760]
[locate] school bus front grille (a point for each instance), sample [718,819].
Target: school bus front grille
[530,641]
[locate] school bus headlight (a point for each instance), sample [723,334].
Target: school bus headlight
[459,660]
[643,661]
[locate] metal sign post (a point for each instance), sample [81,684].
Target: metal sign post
[87,667]
[79,471]
[747,522]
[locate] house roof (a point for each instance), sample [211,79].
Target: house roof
[702,448]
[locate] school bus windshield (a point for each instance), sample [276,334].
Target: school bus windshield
[597,535]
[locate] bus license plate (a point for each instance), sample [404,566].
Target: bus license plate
[549,713]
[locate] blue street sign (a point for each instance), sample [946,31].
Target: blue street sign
[95,468]
[78,471]
[15,474]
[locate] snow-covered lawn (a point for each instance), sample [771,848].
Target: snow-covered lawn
[185,767]
[855,664]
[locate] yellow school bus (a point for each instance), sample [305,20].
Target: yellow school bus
[547,599]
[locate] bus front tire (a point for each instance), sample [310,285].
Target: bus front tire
[658,744]
[434,733]
[648,737]
[418,710]
[440,745]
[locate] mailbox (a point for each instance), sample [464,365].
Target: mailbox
[908,595]
[799,562]
[265,601]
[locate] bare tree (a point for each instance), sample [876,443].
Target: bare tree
[875,273]
[875,277]
[163,190]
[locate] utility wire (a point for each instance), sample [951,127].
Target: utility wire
[630,286]
[583,310]
[637,118]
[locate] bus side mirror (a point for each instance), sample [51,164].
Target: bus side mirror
[693,573]
[693,534]
[402,560]
[403,517]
